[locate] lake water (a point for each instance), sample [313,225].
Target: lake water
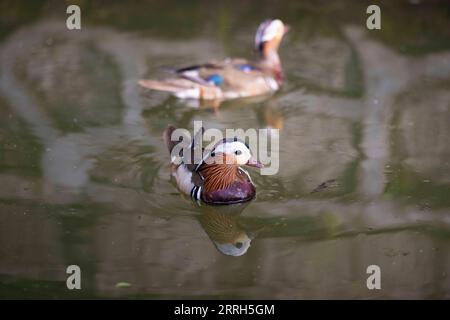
[364,175]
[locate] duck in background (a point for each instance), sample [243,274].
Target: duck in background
[217,178]
[231,78]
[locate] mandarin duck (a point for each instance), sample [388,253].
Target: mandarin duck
[217,178]
[231,78]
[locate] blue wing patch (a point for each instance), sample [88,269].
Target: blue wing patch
[215,79]
[244,67]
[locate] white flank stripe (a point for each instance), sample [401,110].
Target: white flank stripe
[188,94]
[199,190]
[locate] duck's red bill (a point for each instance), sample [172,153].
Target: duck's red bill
[252,162]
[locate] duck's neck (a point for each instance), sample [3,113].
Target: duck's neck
[270,61]
[219,176]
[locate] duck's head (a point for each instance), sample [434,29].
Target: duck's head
[236,248]
[233,152]
[269,36]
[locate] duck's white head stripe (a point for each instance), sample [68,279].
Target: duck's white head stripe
[260,33]
[268,30]
[228,146]
[206,157]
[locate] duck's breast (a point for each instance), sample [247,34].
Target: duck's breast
[239,191]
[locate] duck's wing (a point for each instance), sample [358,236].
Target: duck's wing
[198,73]
[188,180]
[218,64]
[243,65]
[209,81]
[208,65]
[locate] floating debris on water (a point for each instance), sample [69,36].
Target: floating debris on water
[123,285]
[324,185]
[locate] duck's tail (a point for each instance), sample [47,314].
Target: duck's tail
[167,136]
[172,141]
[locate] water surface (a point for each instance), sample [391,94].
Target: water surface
[84,176]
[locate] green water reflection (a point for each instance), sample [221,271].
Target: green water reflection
[84,175]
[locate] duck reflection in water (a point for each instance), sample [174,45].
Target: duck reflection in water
[222,225]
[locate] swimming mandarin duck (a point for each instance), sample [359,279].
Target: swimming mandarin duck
[231,78]
[217,178]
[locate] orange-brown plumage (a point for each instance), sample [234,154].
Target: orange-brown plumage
[221,174]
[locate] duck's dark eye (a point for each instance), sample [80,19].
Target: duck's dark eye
[238,245]
[213,154]
[238,152]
